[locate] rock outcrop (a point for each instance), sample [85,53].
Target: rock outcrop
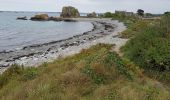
[55,19]
[61,19]
[22,18]
[40,17]
[69,12]
[45,17]
[93,14]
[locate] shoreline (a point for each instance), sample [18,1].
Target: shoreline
[104,31]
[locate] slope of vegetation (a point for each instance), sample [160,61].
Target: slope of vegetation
[150,48]
[98,73]
[128,20]
[134,27]
[94,74]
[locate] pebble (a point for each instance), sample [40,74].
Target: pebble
[23,58]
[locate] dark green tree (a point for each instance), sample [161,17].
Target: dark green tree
[140,12]
[108,15]
[167,13]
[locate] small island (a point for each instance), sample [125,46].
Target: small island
[66,15]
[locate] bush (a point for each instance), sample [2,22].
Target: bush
[97,78]
[108,15]
[120,65]
[30,74]
[150,48]
[103,68]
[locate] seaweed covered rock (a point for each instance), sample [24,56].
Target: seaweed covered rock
[40,17]
[55,19]
[69,11]
[22,18]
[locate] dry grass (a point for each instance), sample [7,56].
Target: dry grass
[89,75]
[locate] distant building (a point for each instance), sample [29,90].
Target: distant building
[120,13]
[129,13]
[124,13]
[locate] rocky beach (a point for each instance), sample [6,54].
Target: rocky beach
[84,50]
[104,31]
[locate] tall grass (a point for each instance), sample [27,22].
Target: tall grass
[94,74]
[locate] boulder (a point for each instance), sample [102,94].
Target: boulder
[70,11]
[40,17]
[93,14]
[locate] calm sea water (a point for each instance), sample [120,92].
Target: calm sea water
[15,34]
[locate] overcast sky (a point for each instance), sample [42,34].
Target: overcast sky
[153,6]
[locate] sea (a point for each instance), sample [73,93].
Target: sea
[15,34]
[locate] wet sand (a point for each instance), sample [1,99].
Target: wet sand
[104,31]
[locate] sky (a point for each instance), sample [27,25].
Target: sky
[100,6]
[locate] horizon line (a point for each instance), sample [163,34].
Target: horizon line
[60,12]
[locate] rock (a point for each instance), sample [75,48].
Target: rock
[4,64]
[70,11]
[4,51]
[23,58]
[107,26]
[55,19]
[22,18]
[69,20]
[93,14]
[40,17]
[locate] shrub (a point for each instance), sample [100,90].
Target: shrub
[97,78]
[120,65]
[150,48]
[30,74]
[103,68]
[108,15]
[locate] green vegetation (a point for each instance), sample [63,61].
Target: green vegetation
[94,74]
[150,47]
[120,17]
[98,73]
[108,15]
[134,27]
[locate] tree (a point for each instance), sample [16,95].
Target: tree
[140,12]
[167,13]
[108,15]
